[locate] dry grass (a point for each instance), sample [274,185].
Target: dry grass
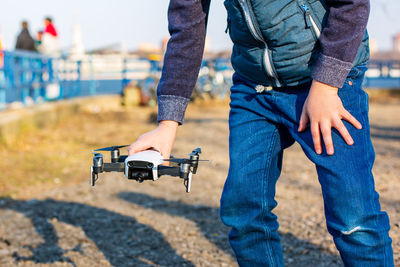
[60,154]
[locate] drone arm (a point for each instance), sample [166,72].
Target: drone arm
[114,167]
[122,158]
[166,170]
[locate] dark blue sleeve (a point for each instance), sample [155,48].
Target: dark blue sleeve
[340,40]
[187,21]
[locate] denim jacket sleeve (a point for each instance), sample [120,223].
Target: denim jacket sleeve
[340,40]
[187,25]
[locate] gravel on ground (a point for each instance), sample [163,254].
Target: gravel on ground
[62,221]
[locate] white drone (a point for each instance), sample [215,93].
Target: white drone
[145,165]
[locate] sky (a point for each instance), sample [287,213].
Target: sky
[105,22]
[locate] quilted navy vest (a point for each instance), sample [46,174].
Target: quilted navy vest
[276,41]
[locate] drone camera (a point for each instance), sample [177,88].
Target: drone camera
[140,171]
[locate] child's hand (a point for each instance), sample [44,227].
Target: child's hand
[324,109]
[162,138]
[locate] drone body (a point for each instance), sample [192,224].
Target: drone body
[145,165]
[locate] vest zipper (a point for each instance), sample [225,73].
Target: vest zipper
[254,28]
[310,22]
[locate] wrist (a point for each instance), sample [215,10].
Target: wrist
[169,124]
[322,87]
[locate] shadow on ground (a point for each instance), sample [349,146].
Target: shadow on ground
[207,220]
[126,242]
[122,240]
[383,132]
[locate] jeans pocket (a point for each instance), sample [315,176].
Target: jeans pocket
[354,98]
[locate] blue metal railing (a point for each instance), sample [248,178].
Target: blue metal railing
[383,74]
[31,78]
[25,76]
[68,76]
[28,78]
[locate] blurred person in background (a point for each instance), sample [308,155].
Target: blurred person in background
[50,43]
[24,39]
[38,40]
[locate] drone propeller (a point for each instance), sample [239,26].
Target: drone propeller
[97,155]
[110,148]
[183,161]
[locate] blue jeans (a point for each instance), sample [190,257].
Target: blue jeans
[261,126]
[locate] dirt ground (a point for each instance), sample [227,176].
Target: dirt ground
[50,216]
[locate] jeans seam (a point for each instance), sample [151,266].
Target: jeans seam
[368,154]
[278,113]
[266,193]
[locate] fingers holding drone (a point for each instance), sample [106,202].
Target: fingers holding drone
[161,139]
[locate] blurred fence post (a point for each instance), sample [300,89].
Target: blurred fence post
[8,71]
[22,71]
[34,79]
[92,84]
[2,82]
[42,87]
[124,73]
[78,77]
[62,79]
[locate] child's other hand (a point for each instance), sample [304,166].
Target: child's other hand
[162,139]
[323,109]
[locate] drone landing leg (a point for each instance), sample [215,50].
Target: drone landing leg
[94,177]
[188,182]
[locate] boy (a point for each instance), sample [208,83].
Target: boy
[299,66]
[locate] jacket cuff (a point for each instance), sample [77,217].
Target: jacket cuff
[331,71]
[171,107]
